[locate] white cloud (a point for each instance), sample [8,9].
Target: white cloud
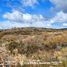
[19,19]
[25,19]
[60,17]
[60,4]
[17,16]
[65,24]
[8,24]
[30,3]
[14,16]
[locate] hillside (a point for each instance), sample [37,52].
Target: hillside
[35,43]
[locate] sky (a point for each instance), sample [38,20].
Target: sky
[33,13]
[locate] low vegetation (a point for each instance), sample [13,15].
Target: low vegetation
[36,43]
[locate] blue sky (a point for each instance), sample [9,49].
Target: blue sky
[33,13]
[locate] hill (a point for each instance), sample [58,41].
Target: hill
[35,43]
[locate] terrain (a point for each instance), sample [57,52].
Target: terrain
[43,44]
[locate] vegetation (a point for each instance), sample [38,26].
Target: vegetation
[36,43]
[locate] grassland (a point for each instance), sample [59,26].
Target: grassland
[36,44]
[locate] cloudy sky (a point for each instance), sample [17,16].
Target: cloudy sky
[33,13]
